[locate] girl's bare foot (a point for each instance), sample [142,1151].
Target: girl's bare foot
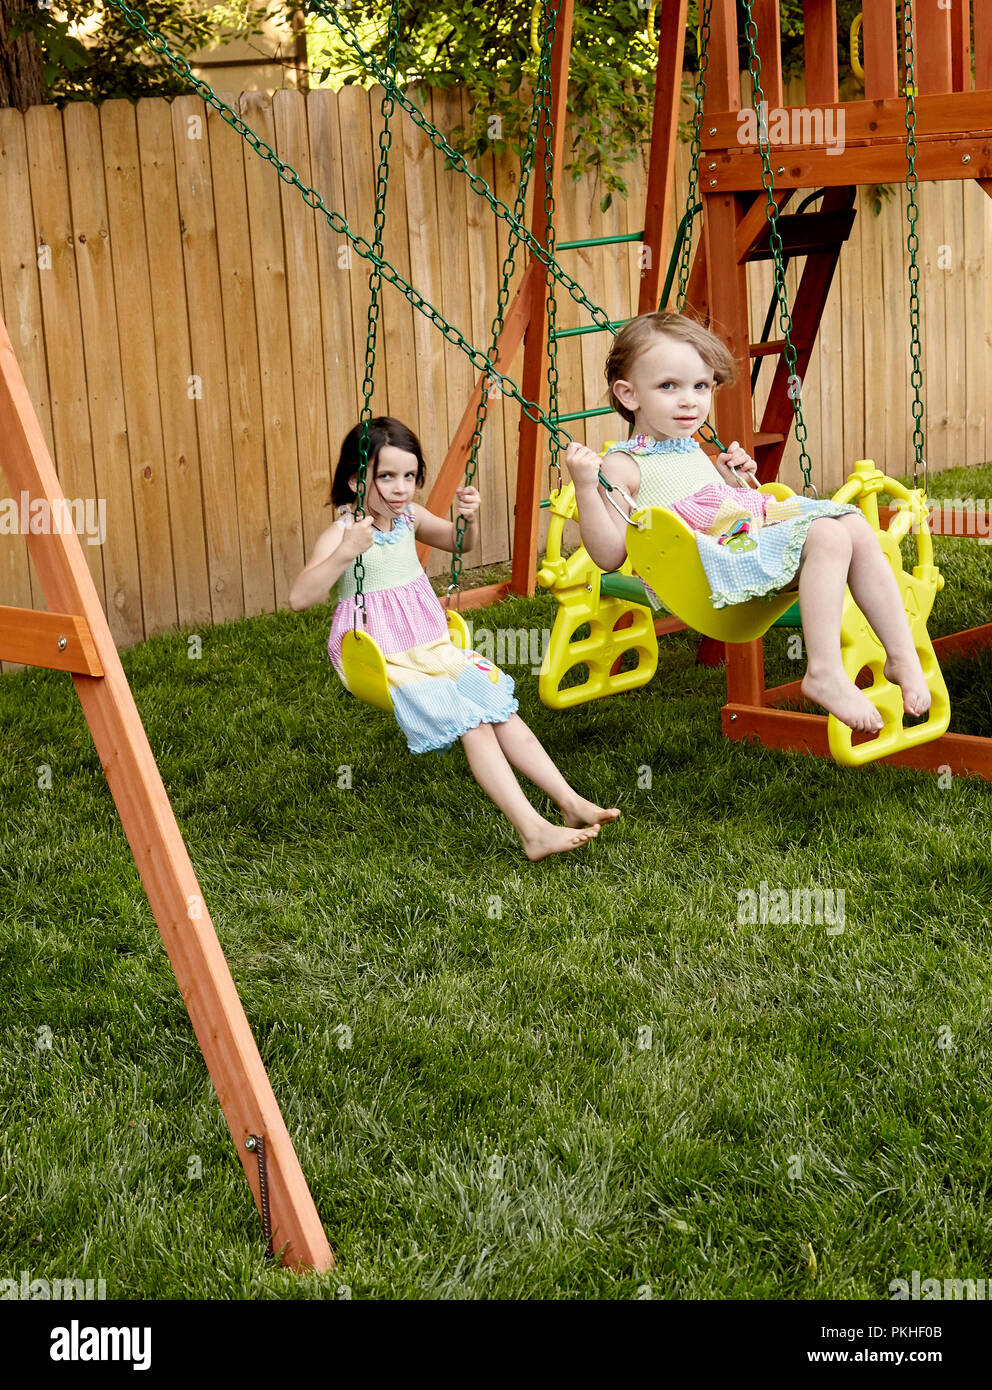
[582,812]
[842,698]
[908,676]
[556,839]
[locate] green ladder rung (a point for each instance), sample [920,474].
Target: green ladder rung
[598,241]
[589,328]
[629,589]
[586,414]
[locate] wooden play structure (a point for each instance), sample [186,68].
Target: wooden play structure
[953,127]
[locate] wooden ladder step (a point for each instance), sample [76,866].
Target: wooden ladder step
[805,234]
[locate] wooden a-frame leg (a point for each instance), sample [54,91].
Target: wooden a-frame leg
[201,970]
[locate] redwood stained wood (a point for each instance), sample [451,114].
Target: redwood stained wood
[160,855]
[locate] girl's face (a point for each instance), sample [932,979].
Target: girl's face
[669,389]
[394,485]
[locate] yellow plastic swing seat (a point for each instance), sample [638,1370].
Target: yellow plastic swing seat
[365,666]
[664,552]
[860,648]
[618,627]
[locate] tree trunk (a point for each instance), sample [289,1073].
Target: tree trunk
[21,82]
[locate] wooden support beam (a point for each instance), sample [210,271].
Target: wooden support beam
[54,640]
[982,12]
[964,754]
[202,974]
[452,471]
[940,116]
[880,49]
[529,474]
[807,311]
[723,84]
[660,198]
[961,46]
[820,51]
[967,643]
[932,44]
[884,162]
[768,23]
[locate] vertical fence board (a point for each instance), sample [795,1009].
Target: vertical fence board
[22,313]
[139,368]
[238,293]
[340,332]
[426,272]
[60,316]
[206,322]
[102,355]
[274,351]
[485,274]
[170,321]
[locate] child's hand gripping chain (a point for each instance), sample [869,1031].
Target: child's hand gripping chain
[662,371]
[439,692]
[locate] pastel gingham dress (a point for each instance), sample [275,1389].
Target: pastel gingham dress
[750,543]
[439,692]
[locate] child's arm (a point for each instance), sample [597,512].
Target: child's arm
[440,534]
[334,552]
[603,530]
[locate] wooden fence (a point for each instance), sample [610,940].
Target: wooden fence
[193,336]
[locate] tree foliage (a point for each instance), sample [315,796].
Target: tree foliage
[486,49]
[89,52]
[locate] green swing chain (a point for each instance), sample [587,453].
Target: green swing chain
[489,383]
[913,244]
[775,241]
[375,284]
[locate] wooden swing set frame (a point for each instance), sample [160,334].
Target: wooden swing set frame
[955,139]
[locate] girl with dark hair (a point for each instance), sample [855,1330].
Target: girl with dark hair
[439,692]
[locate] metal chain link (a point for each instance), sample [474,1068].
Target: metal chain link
[476,182]
[685,260]
[775,242]
[913,244]
[375,284]
[503,296]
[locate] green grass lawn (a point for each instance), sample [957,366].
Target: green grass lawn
[570,1079]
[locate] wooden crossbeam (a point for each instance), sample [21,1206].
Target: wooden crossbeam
[55,640]
[174,894]
[942,116]
[964,754]
[950,157]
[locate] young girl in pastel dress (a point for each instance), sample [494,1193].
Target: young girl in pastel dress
[439,692]
[662,372]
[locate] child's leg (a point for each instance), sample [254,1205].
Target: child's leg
[875,590]
[526,753]
[822,579]
[495,776]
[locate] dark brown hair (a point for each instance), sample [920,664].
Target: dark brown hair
[640,334]
[383,430]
